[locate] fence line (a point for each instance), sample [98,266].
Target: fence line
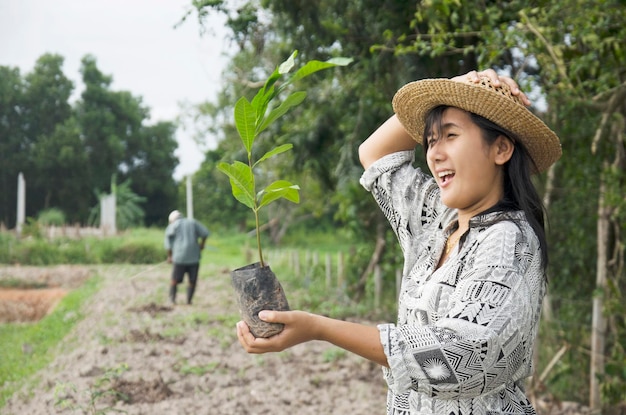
[332,269]
[333,272]
[74,231]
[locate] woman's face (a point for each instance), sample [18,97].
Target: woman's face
[467,169]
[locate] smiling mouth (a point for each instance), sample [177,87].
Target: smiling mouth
[445,176]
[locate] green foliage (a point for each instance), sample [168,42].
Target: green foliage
[52,216]
[576,62]
[134,247]
[42,337]
[131,253]
[32,228]
[612,381]
[251,119]
[13,283]
[128,211]
[213,201]
[65,149]
[152,169]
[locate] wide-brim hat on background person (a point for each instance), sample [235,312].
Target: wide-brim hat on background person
[414,100]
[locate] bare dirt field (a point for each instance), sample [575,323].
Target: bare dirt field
[183,359]
[134,353]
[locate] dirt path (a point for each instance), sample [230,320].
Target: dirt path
[186,359]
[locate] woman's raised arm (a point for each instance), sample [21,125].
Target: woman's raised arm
[389,138]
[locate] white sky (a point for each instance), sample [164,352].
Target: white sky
[134,41]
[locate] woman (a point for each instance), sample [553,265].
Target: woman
[474,248]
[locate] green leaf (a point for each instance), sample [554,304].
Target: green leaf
[241,181]
[291,101]
[268,92]
[275,151]
[263,97]
[245,120]
[277,190]
[315,66]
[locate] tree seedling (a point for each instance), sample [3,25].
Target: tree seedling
[251,119]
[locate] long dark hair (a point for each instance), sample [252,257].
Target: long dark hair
[519,191]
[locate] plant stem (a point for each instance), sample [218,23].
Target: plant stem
[258,236]
[256,215]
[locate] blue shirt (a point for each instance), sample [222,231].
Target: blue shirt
[181,237]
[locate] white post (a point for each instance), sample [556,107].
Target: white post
[21,203]
[189,198]
[107,215]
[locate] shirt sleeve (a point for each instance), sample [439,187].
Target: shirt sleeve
[485,339]
[167,240]
[201,230]
[408,198]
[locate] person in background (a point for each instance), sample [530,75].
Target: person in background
[474,245]
[184,242]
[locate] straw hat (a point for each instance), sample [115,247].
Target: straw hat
[414,100]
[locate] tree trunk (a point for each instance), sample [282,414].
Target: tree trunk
[546,309]
[598,330]
[359,289]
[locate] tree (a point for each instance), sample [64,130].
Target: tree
[61,162]
[109,121]
[35,105]
[11,132]
[151,167]
[583,57]
[65,152]
[117,142]
[54,147]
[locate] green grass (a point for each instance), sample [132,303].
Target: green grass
[16,283]
[40,337]
[227,250]
[136,246]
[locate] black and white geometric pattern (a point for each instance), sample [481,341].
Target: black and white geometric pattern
[463,341]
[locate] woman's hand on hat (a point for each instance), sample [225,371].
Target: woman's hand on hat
[496,80]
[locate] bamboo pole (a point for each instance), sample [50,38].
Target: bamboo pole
[296,263]
[329,272]
[340,274]
[378,285]
[598,329]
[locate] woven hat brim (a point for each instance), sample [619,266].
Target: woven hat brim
[414,100]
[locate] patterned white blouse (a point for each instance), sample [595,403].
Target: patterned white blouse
[463,342]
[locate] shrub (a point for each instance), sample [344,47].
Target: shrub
[51,217]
